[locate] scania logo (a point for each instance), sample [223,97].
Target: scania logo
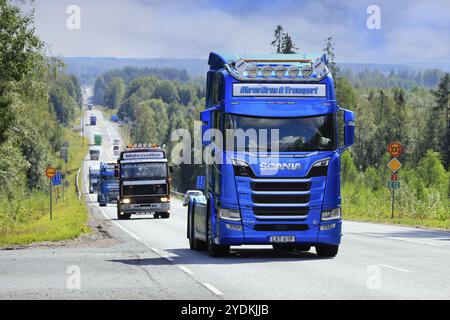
[280,166]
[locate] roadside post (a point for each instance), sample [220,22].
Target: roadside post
[395,150]
[50,172]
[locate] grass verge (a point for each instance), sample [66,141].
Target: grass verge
[69,214]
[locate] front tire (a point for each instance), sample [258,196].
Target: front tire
[327,251]
[164,215]
[214,249]
[194,244]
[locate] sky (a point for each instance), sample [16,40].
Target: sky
[411,31]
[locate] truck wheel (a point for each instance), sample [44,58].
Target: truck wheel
[194,244]
[121,215]
[214,249]
[327,251]
[165,215]
[156,215]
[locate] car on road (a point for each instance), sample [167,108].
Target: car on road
[189,194]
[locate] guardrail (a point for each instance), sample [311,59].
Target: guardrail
[77,185]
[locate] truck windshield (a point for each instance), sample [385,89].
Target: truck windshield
[294,134]
[149,170]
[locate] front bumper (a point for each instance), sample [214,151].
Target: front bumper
[145,207]
[248,235]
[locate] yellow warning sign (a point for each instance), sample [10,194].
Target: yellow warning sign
[394,165]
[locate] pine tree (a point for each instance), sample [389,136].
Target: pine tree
[442,98]
[329,51]
[278,38]
[287,46]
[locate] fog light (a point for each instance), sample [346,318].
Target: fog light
[234,227]
[126,200]
[328,227]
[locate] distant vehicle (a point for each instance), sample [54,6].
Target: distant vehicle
[191,193]
[116,148]
[98,139]
[144,182]
[90,106]
[114,118]
[93,179]
[108,186]
[93,120]
[94,153]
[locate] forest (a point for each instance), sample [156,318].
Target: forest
[38,100]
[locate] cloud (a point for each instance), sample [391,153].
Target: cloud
[411,30]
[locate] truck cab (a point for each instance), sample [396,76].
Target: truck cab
[93,120]
[94,153]
[93,179]
[276,179]
[144,182]
[108,186]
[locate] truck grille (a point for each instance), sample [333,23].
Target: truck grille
[144,190]
[281,227]
[280,199]
[289,186]
[284,211]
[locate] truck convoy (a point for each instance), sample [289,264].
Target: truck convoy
[286,194]
[144,183]
[108,186]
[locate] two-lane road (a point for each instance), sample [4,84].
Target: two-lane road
[374,262]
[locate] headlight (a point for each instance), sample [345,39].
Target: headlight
[229,214]
[164,199]
[321,163]
[331,214]
[126,200]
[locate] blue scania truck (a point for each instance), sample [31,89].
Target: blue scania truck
[286,194]
[108,186]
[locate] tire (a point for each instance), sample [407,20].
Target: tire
[327,251]
[165,215]
[194,244]
[156,215]
[214,249]
[121,215]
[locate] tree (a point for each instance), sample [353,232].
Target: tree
[278,39]
[114,93]
[442,110]
[288,46]
[329,51]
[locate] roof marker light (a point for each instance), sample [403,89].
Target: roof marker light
[252,71]
[293,71]
[280,71]
[266,71]
[307,71]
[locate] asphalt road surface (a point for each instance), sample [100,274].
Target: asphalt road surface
[150,259]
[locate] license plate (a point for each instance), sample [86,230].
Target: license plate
[282,239]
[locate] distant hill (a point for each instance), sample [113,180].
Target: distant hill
[87,69]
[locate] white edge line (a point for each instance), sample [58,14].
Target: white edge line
[393,268]
[213,289]
[185,269]
[123,228]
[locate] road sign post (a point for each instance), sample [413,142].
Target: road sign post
[395,149]
[50,172]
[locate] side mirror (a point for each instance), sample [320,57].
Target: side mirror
[171,169]
[349,128]
[201,182]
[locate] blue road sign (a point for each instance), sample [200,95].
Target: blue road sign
[56,180]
